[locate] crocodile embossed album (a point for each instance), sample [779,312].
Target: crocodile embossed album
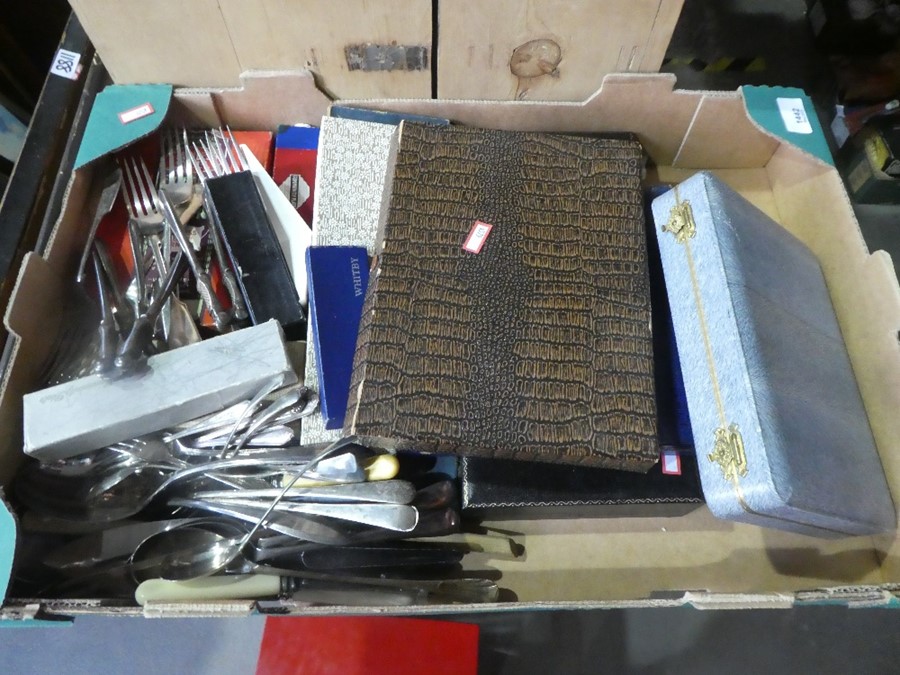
[508,313]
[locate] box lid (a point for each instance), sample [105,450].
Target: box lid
[777,417]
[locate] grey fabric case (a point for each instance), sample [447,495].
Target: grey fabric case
[781,433]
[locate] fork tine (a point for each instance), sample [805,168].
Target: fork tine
[188,164]
[130,190]
[239,155]
[150,194]
[197,161]
[170,165]
[161,174]
[207,142]
[140,201]
[179,159]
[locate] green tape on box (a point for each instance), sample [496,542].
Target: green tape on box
[121,115]
[788,113]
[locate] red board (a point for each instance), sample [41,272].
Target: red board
[367,646]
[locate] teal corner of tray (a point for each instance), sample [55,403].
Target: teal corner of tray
[7,547]
[122,114]
[763,106]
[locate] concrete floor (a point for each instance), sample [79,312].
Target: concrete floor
[821,640]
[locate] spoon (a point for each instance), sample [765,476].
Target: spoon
[293,525]
[394,517]
[185,552]
[380,492]
[66,497]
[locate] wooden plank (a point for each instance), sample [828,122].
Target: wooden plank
[356,48]
[170,41]
[547,50]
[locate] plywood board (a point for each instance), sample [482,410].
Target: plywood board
[359,48]
[168,41]
[356,48]
[547,50]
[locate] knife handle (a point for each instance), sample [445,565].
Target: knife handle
[379,467]
[229,587]
[436,496]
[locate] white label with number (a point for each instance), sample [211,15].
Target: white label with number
[136,113]
[794,115]
[477,236]
[66,64]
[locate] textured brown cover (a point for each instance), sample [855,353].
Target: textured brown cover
[537,347]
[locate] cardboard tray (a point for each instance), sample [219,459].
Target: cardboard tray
[615,562]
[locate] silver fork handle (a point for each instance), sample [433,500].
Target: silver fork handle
[204,285]
[231,284]
[137,254]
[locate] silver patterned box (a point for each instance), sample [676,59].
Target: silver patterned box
[350,175]
[780,429]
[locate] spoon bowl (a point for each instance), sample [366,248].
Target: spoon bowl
[187,552]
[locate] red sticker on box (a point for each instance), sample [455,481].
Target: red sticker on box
[671,463]
[477,236]
[134,114]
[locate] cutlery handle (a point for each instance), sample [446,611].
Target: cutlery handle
[436,496]
[132,349]
[231,587]
[137,255]
[234,292]
[253,586]
[107,333]
[204,285]
[208,295]
[380,467]
[238,304]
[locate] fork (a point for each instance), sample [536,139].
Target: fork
[176,175]
[151,212]
[143,212]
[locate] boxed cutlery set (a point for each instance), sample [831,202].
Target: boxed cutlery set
[416,354]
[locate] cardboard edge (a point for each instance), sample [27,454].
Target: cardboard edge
[303,101]
[613,78]
[860,596]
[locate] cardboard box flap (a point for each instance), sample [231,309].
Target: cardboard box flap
[300,101]
[121,115]
[34,327]
[357,47]
[716,138]
[624,102]
[160,41]
[547,49]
